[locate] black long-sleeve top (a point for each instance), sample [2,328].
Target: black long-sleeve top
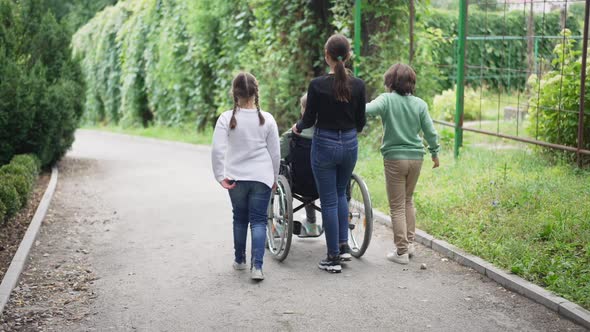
[326,112]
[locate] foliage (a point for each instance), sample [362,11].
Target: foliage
[497,63]
[555,101]
[444,105]
[40,85]
[16,183]
[168,62]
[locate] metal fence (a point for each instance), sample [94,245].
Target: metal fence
[522,111]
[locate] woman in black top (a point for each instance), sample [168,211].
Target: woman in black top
[336,105]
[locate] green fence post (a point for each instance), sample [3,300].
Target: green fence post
[536,56]
[357,36]
[460,76]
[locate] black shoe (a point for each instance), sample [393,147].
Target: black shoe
[345,253]
[330,264]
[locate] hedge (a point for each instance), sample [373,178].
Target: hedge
[17,180]
[497,55]
[41,86]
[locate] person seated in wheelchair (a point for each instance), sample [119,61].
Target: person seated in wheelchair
[295,152]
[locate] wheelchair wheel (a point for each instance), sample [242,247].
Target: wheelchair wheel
[279,230]
[360,216]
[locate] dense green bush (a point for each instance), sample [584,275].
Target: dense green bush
[2,212]
[21,184]
[17,180]
[27,160]
[41,90]
[554,108]
[10,198]
[443,107]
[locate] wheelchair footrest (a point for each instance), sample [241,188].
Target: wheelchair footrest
[304,230]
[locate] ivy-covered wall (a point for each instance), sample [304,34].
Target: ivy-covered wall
[172,61]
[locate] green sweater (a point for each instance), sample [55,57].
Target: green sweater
[404,117]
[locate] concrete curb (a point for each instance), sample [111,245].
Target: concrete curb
[20,257]
[510,281]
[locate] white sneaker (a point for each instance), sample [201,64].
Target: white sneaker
[411,250]
[400,259]
[256,274]
[240,266]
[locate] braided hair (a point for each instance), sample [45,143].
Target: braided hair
[245,86]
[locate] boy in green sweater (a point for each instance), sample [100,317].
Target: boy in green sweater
[404,117]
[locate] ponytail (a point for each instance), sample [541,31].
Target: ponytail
[342,87]
[338,49]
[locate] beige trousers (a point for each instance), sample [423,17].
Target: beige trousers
[401,177]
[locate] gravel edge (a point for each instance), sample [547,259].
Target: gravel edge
[20,257]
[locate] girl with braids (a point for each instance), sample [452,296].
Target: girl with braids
[336,105]
[245,160]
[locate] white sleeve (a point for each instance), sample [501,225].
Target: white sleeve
[274,147]
[220,137]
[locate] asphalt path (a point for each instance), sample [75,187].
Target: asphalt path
[165,261]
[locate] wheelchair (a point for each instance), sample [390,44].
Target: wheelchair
[280,227]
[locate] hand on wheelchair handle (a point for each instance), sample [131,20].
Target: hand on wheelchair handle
[294,129]
[228,184]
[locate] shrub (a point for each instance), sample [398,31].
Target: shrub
[28,160]
[19,170]
[2,212]
[16,182]
[9,196]
[554,110]
[443,107]
[41,91]
[21,184]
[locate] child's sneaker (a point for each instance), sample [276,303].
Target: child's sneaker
[411,250]
[345,252]
[331,264]
[400,259]
[310,229]
[240,266]
[256,274]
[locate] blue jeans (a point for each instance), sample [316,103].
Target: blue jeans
[250,200]
[333,157]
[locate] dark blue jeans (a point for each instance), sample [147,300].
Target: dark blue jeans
[333,157]
[250,200]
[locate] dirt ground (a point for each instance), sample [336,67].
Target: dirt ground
[56,287]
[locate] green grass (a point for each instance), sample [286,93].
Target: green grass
[186,133]
[509,206]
